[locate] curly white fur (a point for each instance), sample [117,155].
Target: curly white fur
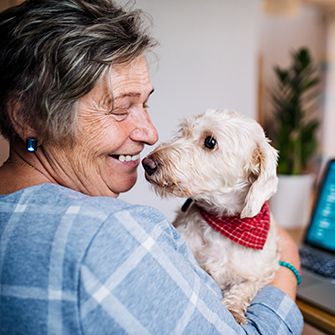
[236,177]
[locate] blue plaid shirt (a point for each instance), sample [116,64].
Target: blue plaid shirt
[74,264]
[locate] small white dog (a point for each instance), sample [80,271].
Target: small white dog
[225,164]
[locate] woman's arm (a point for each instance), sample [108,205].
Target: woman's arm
[138,276]
[285,280]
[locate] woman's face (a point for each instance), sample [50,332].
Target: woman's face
[112,129]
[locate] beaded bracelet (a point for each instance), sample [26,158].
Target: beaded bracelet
[293,269]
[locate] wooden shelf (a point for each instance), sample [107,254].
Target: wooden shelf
[317,318]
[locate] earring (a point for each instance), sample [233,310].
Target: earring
[31,144]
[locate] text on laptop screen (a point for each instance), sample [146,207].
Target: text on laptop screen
[322,228]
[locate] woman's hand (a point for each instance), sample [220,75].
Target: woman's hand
[284,278]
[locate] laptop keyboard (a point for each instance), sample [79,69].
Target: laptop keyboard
[320,263]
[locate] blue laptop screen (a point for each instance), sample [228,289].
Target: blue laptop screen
[322,227]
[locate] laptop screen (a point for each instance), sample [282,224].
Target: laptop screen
[321,231]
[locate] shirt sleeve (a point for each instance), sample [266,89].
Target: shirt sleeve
[138,277]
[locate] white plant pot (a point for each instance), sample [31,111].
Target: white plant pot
[291,204]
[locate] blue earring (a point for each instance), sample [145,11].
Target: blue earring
[31,144]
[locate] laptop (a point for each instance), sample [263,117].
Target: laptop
[317,251]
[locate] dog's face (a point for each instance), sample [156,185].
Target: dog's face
[216,156]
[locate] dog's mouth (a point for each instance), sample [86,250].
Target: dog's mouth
[164,184]
[167,188]
[157,173]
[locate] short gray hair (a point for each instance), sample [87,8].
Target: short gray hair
[52,52]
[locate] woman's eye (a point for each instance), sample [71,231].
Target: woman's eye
[119,117]
[119,114]
[210,142]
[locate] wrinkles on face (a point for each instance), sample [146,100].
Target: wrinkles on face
[112,121]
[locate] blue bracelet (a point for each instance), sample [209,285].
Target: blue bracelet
[293,269]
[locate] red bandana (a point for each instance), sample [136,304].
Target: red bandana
[249,232]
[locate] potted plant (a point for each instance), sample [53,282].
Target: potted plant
[294,99]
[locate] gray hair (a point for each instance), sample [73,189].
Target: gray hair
[52,52]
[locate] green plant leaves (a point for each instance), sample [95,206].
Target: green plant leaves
[293,98]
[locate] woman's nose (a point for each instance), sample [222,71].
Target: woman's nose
[144,130]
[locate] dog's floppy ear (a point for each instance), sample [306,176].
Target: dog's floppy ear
[265,185]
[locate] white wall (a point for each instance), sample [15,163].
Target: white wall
[207,58]
[328,134]
[280,35]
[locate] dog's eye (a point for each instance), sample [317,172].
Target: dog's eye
[210,142]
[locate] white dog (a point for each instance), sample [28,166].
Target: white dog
[225,164]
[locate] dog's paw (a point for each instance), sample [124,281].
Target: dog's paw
[239,316]
[237,311]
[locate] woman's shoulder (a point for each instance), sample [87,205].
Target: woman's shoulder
[52,217]
[54,204]
[52,197]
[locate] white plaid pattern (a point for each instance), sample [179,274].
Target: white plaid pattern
[72,264]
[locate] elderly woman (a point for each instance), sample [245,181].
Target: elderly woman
[74,259]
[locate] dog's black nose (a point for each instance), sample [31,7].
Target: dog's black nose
[149,165]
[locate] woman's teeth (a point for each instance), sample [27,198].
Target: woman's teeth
[128,158]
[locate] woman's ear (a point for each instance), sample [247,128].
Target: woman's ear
[265,184]
[21,128]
